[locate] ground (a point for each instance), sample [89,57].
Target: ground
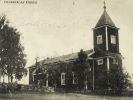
[57,96]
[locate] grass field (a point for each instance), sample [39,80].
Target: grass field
[57,96]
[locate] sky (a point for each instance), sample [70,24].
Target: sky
[52,28]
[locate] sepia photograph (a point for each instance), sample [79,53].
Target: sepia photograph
[66,50]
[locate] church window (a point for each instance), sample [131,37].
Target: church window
[100,61]
[115,61]
[63,78]
[33,78]
[99,39]
[113,39]
[74,78]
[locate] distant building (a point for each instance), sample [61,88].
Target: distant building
[105,55]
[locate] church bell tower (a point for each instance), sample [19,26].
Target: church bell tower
[106,47]
[106,37]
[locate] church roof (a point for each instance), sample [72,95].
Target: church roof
[105,20]
[64,58]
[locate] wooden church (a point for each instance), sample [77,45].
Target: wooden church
[58,71]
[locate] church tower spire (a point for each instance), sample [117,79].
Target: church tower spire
[105,19]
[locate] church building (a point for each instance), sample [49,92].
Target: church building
[104,57]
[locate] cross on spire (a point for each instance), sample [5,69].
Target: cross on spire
[104,5]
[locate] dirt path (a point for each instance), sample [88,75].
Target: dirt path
[57,96]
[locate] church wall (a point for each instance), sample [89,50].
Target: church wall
[101,75]
[55,71]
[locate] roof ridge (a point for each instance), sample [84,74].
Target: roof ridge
[63,57]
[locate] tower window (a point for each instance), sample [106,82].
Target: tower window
[63,78]
[99,39]
[113,39]
[100,61]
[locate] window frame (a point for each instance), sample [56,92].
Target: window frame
[63,78]
[99,39]
[113,39]
[33,78]
[115,61]
[74,77]
[100,61]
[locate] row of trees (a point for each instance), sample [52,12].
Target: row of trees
[12,57]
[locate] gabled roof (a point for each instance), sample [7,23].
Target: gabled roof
[64,58]
[105,20]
